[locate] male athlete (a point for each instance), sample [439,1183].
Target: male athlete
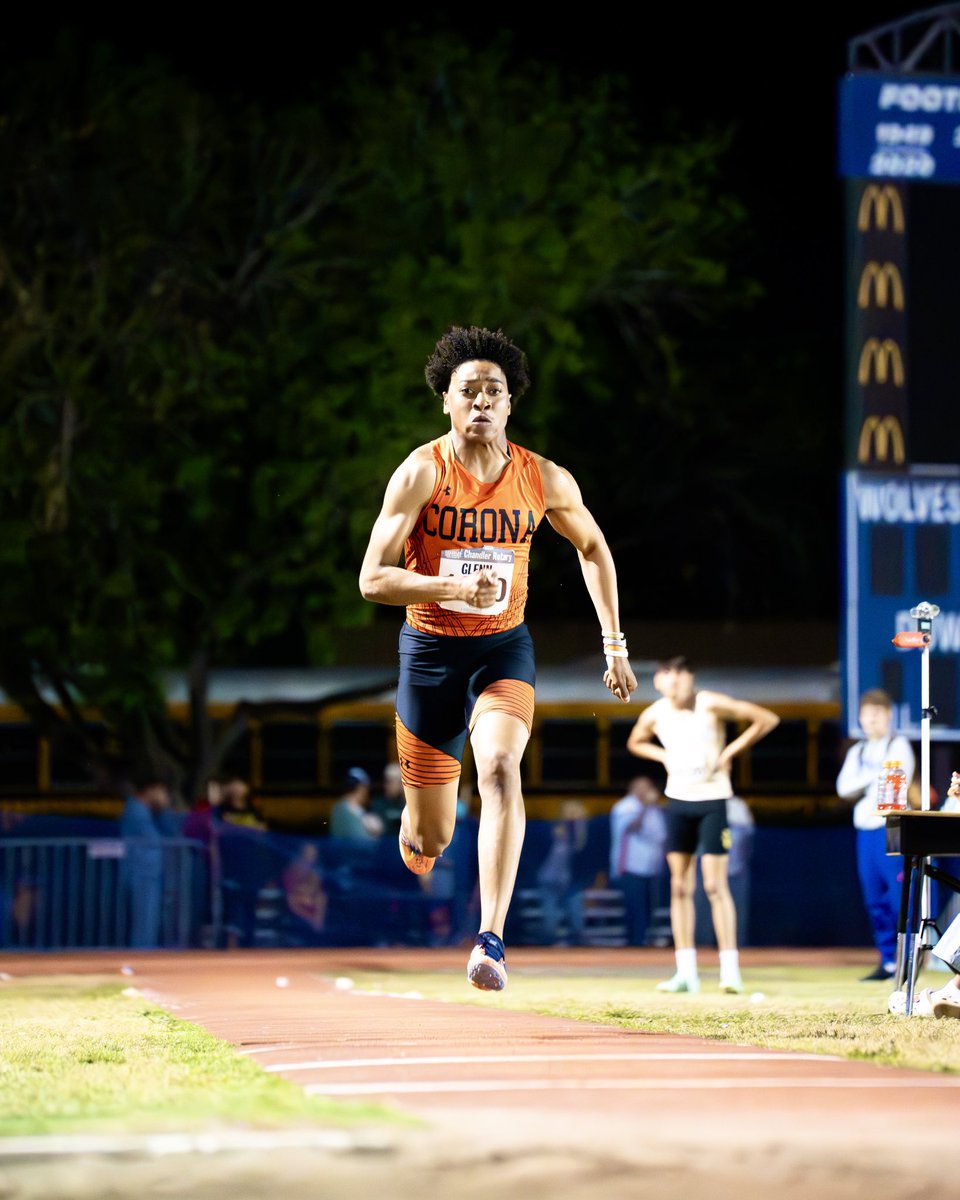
[461,510]
[690,727]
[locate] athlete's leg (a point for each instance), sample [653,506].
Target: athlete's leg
[716,884]
[683,882]
[498,740]
[428,817]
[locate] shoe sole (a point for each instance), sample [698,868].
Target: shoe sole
[487,975]
[419,864]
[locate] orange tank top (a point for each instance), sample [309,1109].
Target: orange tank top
[468,525]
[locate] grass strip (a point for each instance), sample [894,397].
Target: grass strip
[814,1010]
[84,1054]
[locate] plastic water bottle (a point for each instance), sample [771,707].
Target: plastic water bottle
[892,787]
[882,789]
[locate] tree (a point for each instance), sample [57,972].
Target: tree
[215,318]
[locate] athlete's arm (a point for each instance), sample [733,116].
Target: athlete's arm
[640,742]
[571,518]
[759,722]
[381,579]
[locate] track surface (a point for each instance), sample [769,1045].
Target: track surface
[510,1104]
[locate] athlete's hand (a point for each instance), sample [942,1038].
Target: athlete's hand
[480,589]
[724,761]
[619,678]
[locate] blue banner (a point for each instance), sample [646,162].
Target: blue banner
[902,546]
[900,127]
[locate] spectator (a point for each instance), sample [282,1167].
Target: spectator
[236,804]
[351,817]
[638,836]
[388,803]
[199,821]
[304,890]
[202,824]
[560,904]
[144,823]
[878,871]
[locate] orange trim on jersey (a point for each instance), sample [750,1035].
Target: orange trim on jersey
[511,696]
[423,766]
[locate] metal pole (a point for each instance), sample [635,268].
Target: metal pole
[925,900]
[909,955]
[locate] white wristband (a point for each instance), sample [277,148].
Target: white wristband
[616,652]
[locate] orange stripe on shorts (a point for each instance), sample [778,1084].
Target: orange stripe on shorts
[421,765]
[511,696]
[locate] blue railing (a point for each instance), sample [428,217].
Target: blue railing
[70,893]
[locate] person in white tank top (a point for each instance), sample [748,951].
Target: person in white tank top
[685,731]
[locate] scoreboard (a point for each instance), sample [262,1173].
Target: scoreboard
[902,546]
[899,155]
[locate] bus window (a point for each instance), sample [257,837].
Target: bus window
[569,751]
[289,753]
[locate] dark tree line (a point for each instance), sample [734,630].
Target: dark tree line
[214,316]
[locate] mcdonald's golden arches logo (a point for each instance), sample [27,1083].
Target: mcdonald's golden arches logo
[878,204]
[881,435]
[885,282]
[880,359]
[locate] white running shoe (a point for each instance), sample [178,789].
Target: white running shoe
[733,986]
[486,972]
[680,983]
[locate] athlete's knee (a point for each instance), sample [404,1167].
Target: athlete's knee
[715,889]
[498,772]
[681,887]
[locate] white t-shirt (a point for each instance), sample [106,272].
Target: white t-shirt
[641,851]
[693,739]
[861,770]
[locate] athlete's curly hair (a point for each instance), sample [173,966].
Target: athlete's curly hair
[472,343]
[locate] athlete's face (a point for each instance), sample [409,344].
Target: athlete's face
[675,685]
[477,401]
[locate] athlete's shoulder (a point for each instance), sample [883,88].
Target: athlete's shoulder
[654,710]
[418,471]
[559,486]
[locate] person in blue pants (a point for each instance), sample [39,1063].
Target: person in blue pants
[880,874]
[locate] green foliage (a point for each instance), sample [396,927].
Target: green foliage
[213,323]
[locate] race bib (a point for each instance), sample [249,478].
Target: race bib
[465,562]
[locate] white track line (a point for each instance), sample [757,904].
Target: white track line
[157,1145]
[462,1059]
[732,1083]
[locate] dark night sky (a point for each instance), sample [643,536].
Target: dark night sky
[777,85]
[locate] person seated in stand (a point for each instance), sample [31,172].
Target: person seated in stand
[388,802]
[236,804]
[306,896]
[350,816]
